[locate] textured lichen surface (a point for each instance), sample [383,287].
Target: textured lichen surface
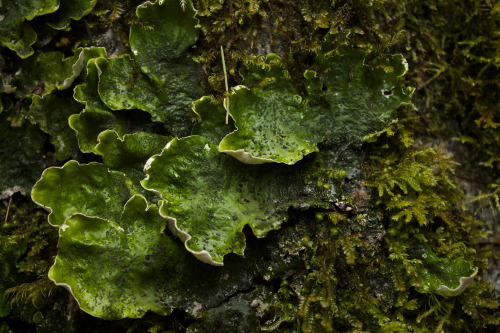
[444,276]
[361,215]
[55,123]
[345,98]
[209,197]
[124,268]
[70,10]
[96,117]
[160,42]
[212,125]
[123,87]
[130,153]
[120,256]
[90,189]
[16,33]
[160,46]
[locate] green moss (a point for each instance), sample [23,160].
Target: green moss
[27,245]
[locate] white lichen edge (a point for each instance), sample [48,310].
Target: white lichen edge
[63,227]
[147,166]
[245,157]
[196,308]
[203,256]
[465,281]
[77,68]
[67,287]
[49,209]
[405,63]
[240,154]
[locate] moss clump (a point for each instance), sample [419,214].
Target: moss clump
[363,270]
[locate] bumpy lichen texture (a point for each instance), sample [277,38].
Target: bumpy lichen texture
[130,153]
[346,99]
[160,41]
[210,197]
[50,109]
[55,122]
[15,32]
[96,117]
[212,124]
[125,253]
[52,70]
[90,189]
[125,267]
[122,86]
[443,276]
[378,227]
[161,46]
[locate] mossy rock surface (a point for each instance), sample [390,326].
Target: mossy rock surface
[248,165]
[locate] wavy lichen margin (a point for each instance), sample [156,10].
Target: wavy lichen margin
[346,99]
[90,189]
[209,197]
[114,268]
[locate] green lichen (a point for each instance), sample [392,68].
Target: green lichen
[17,34]
[345,98]
[130,153]
[91,189]
[443,276]
[123,87]
[69,10]
[377,234]
[96,117]
[55,123]
[135,239]
[209,197]
[51,70]
[212,124]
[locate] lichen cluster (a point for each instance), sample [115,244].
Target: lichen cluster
[362,218]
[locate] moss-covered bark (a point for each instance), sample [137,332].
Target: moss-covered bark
[400,244]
